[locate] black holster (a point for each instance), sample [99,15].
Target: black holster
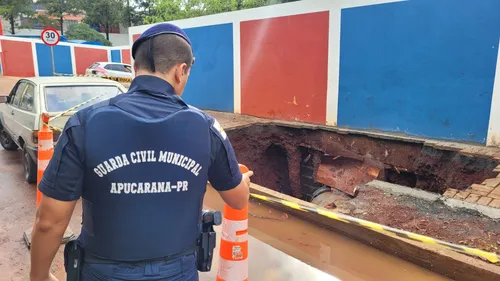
[207,240]
[73,260]
[205,251]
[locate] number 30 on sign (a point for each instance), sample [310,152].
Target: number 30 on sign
[50,37]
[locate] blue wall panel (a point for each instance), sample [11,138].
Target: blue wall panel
[116,56]
[211,83]
[62,59]
[421,67]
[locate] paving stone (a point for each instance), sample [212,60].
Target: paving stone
[482,188]
[492,182]
[497,169]
[495,193]
[495,203]
[450,192]
[481,193]
[461,195]
[472,198]
[484,201]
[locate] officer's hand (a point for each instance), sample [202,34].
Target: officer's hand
[237,198]
[246,177]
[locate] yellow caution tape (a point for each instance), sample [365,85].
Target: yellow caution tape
[491,257]
[118,79]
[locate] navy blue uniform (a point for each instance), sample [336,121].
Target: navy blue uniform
[140,162]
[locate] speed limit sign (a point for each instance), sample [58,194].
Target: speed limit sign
[50,37]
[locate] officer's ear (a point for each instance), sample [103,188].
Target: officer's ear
[185,68]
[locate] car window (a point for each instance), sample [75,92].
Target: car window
[108,67]
[28,99]
[120,67]
[19,93]
[62,98]
[128,68]
[94,65]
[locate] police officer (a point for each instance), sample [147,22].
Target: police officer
[140,162]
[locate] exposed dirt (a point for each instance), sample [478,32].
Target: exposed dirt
[409,163]
[428,218]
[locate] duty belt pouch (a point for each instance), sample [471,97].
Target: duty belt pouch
[73,261]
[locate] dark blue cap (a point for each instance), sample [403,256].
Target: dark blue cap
[162,28]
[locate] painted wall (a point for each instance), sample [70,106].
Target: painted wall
[426,68]
[126,56]
[24,57]
[85,57]
[62,59]
[17,58]
[422,67]
[116,56]
[284,72]
[208,87]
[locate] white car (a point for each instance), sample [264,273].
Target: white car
[21,110]
[111,69]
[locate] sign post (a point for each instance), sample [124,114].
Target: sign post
[51,37]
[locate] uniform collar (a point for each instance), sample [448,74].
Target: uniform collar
[152,85]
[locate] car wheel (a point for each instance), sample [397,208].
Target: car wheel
[6,141]
[30,169]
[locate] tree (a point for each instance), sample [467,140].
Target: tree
[104,12]
[12,9]
[168,10]
[135,11]
[82,31]
[59,8]
[45,20]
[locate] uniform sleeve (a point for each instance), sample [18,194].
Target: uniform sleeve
[224,173]
[63,178]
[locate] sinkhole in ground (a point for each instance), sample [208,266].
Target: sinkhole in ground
[303,162]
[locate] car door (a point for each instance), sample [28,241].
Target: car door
[26,115]
[13,108]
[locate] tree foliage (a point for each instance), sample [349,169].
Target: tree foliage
[59,8]
[168,10]
[82,31]
[104,12]
[12,9]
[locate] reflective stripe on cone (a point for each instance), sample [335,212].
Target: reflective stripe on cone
[45,152]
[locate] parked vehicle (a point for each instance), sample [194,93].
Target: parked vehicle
[21,110]
[111,69]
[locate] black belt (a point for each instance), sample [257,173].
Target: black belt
[89,258]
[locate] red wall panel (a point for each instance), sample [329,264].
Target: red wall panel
[17,59]
[134,37]
[284,65]
[85,57]
[126,56]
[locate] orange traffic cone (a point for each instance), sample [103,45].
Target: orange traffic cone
[233,261]
[45,152]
